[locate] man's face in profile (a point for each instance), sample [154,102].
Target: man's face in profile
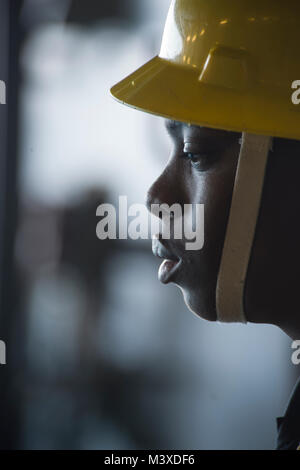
[201,170]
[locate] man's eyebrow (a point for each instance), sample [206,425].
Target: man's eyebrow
[172,125]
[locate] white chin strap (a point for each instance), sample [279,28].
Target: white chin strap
[245,205]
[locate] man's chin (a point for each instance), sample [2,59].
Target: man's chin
[198,306]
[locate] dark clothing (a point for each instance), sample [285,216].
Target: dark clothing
[289,425]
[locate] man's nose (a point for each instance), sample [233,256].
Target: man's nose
[165,191]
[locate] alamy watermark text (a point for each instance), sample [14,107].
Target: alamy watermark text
[296,354]
[2,353]
[180,222]
[2,92]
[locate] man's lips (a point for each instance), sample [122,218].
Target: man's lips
[171,263]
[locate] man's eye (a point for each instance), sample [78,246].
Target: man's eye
[199,161]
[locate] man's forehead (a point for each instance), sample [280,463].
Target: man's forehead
[197,131]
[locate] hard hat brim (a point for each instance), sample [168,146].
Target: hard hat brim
[171,91]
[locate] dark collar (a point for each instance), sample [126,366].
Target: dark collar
[289,425]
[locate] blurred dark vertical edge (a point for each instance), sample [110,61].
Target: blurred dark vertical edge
[10,37]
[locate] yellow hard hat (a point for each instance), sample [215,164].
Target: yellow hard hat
[225,64]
